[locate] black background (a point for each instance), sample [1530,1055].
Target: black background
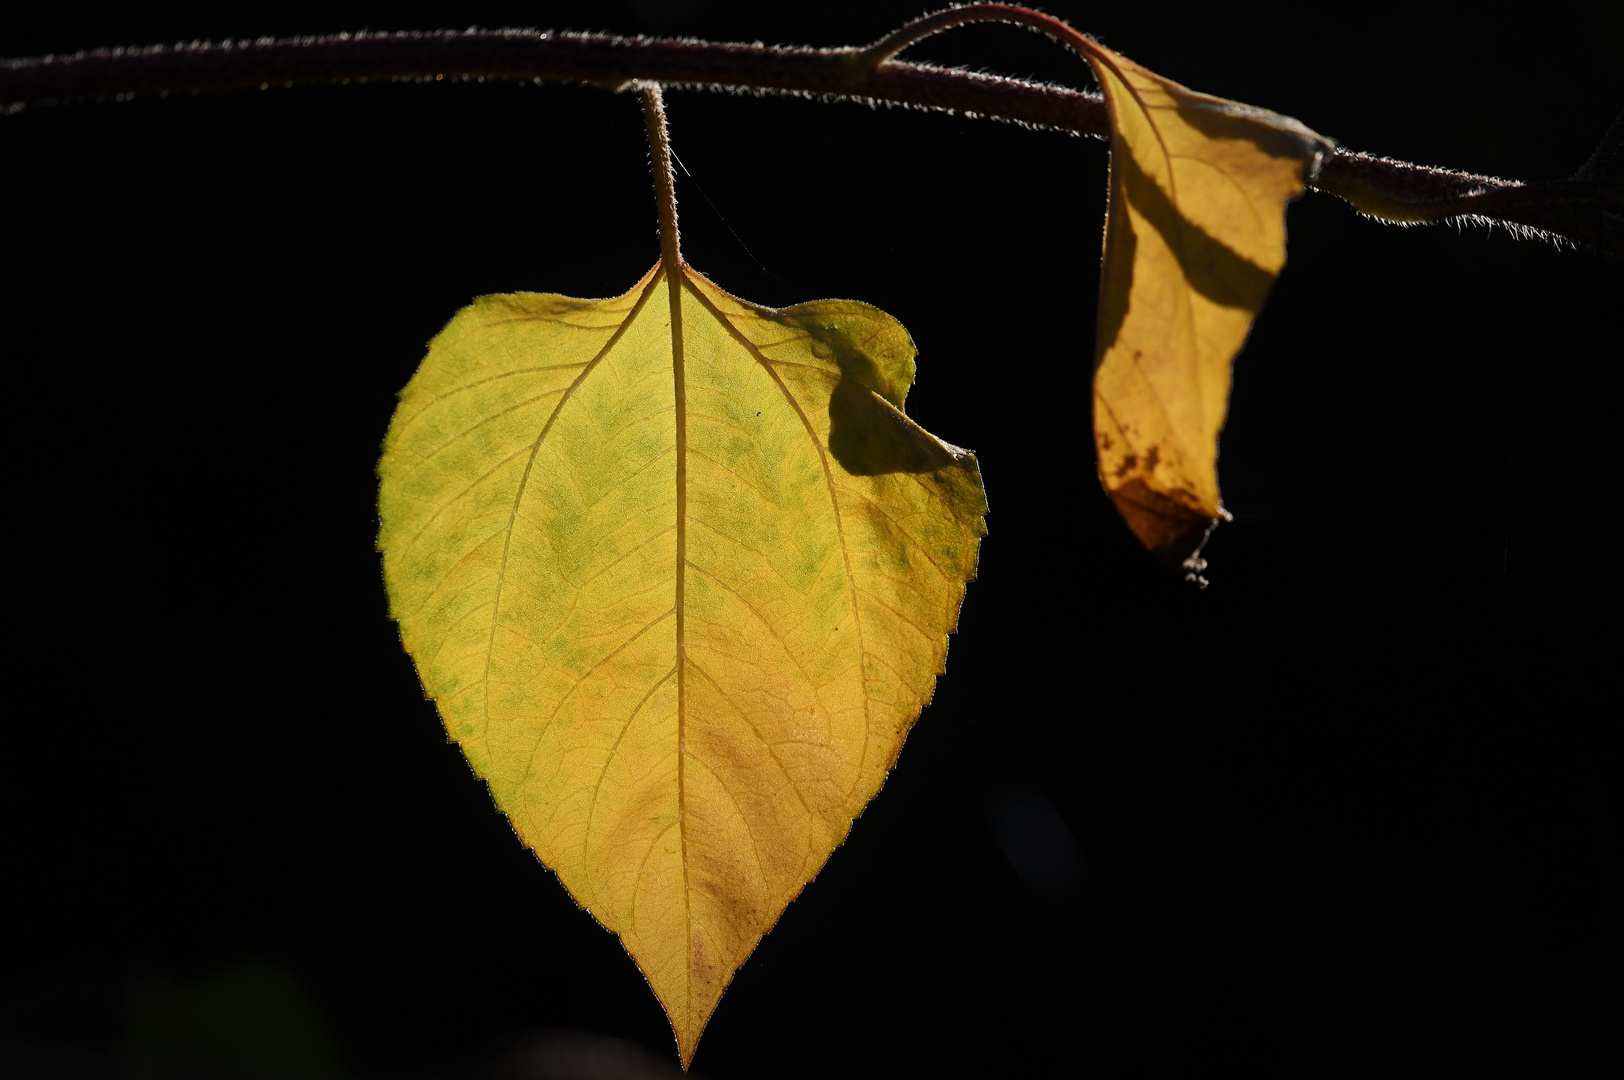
[1356,802]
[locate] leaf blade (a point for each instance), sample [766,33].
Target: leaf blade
[684,787]
[1195,236]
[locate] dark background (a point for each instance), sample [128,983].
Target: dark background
[1354,804]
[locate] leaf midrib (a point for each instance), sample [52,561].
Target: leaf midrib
[677,284]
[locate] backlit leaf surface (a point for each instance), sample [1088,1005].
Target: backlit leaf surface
[679,594]
[1195,236]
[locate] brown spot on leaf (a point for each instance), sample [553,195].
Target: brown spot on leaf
[699,967]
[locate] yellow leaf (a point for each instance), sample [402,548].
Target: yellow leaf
[1195,236]
[679,573]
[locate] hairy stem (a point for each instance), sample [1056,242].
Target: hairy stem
[1587,208]
[665,188]
[922,28]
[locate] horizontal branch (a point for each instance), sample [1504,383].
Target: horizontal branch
[1587,209]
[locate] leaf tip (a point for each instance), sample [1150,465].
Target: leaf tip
[1172,532]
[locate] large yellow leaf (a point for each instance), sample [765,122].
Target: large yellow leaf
[679,573]
[1195,236]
